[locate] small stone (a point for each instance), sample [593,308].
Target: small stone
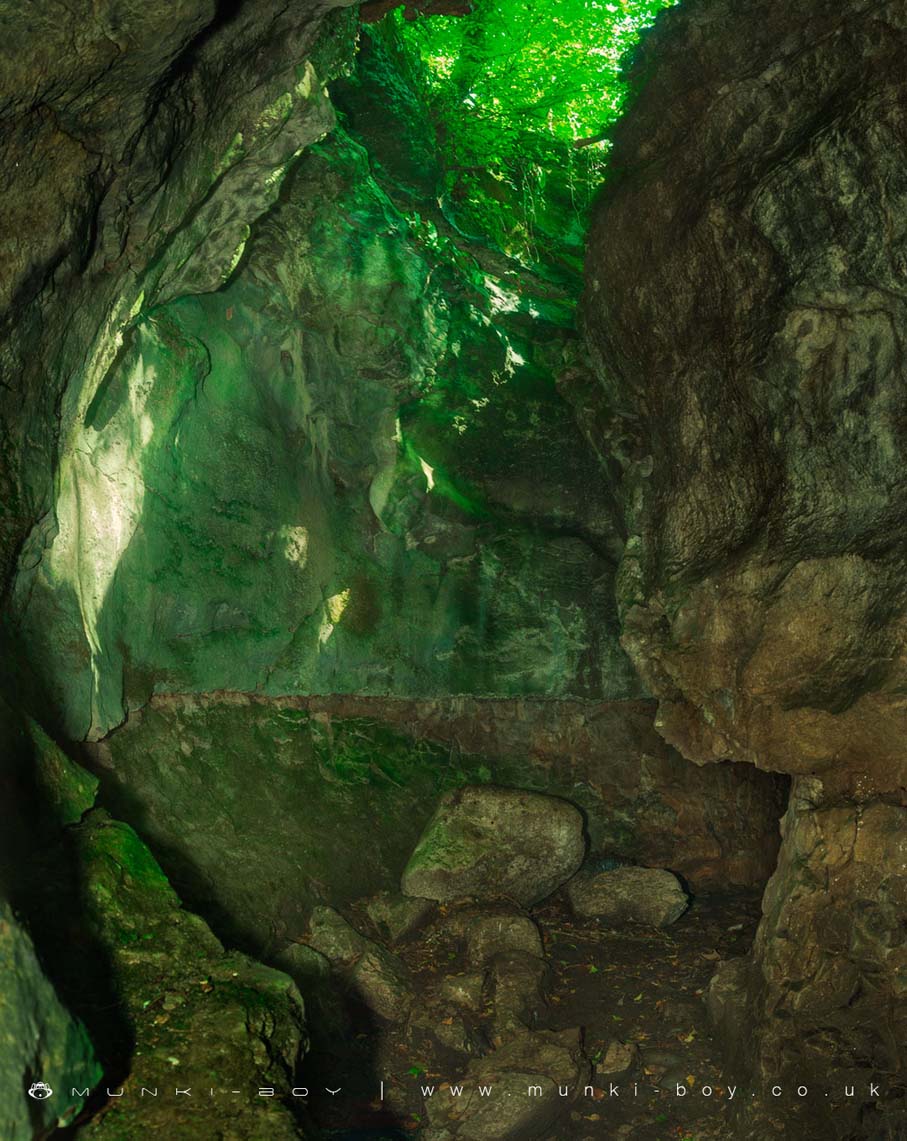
[398,916]
[619,1057]
[492,843]
[375,975]
[543,1060]
[671,1079]
[381,983]
[726,998]
[333,937]
[490,935]
[681,1013]
[302,963]
[660,1059]
[519,992]
[652,896]
[448,1031]
[463,990]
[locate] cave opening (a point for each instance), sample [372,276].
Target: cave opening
[353,673]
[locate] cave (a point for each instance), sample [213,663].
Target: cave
[453,576]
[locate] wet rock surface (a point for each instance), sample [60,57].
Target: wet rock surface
[40,1042]
[752,251]
[494,843]
[635,895]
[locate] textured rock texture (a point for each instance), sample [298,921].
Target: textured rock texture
[492,842]
[324,478]
[159,995]
[40,1041]
[544,1061]
[138,144]
[637,895]
[374,975]
[327,768]
[206,1016]
[745,300]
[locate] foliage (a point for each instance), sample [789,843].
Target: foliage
[522,94]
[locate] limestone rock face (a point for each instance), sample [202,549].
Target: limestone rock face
[745,302]
[743,299]
[138,143]
[833,918]
[491,842]
[40,1041]
[638,895]
[326,481]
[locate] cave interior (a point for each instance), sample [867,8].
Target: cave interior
[453,468]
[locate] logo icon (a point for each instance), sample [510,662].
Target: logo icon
[39,1090]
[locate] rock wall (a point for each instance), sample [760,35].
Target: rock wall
[324,477]
[267,425]
[210,782]
[40,1042]
[138,146]
[96,939]
[745,301]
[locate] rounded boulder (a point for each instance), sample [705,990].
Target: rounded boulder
[491,843]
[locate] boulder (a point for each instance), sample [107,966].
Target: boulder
[381,982]
[302,963]
[333,937]
[524,1103]
[490,842]
[490,935]
[434,1029]
[619,1057]
[464,990]
[376,976]
[398,916]
[520,983]
[638,895]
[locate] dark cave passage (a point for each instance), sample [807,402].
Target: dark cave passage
[451,673]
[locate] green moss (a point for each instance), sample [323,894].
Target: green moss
[69,789]
[511,88]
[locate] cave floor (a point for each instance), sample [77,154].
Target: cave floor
[639,986]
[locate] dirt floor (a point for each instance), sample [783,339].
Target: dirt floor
[637,986]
